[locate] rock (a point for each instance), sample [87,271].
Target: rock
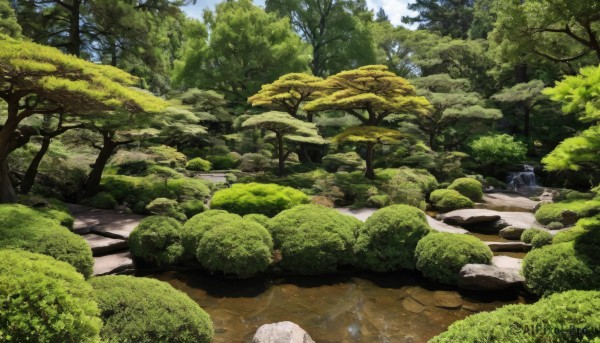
[469,216]
[421,295]
[282,332]
[104,245]
[443,227]
[568,217]
[502,274]
[103,222]
[412,305]
[114,264]
[511,232]
[445,299]
[508,246]
[508,202]
[521,220]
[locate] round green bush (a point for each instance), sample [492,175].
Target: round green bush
[388,239]
[468,187]
[440,256]
[198,225]
[541,239]
[242,248]
[166,207]
[528,235]
[560,267]
[145,310]
[49,208]
[224,162]
[313,239]
[257,218]
[555,226]
[447,200]
[157,239]
[102,200]
[267,199]
[198,164]
[24,228]
[192,207]
[348,161]
[565,317]
[44,300]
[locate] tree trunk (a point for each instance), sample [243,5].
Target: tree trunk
[74,46]
[432,140]
[370,172]
[280,154]
[32,170]
[92,183]
[7,191]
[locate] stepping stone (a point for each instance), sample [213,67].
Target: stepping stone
[121,263]
[104,245]
[508,202]
[449,300]
[412,305]
[504,272]
[119,228]
[469,216]
[507,262]
[443,227]
[508,246]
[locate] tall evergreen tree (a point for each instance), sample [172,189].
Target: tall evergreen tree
[446,17]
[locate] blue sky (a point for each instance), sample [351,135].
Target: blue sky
[394,8]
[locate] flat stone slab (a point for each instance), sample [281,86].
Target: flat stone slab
[508,202]
[508,246]
[443,227]
[121,263]
[107,223]
[104,245]
[496,220]
[504,272]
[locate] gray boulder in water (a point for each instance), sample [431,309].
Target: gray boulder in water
[282,332]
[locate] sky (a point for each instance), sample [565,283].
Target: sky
[395,9]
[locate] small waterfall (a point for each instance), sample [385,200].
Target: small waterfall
[522,179]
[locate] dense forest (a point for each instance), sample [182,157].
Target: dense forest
[297,107]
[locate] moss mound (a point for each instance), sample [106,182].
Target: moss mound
[157,239]
[447,200]
[468,187]
[198,164]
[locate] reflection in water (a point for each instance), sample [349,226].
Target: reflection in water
[370,308]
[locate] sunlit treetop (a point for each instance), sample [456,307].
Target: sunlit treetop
[372,89]
[288,92]
[66,82]
[580,94]
[8,20]
[282,123]
[577,152]
[370,134]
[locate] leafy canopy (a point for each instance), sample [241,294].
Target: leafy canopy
[284,124]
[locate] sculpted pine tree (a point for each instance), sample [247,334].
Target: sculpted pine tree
[528,95]
[36,79]
[286,129]
[287,93]
[8,21]
[371,94]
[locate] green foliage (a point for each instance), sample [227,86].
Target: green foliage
[528,235]
[565,317]
[541,239]
[555,226]
[252,162]
[369,134]
[27,229]
[192,207]
[8,22]
[447,200]
[553,212]
[103,200]
[267,199]
[446,18]
[569,195]
[144,310]
[579,94]
[239,247]
[498,150]
[49,208]
[198,164]
[468,187]
[576,153]
[348,161]
[313,239]
[169,156]
[440,256]
[223,162]
[388,239]
[198,225]
[257,218]
[44,300]
[157,239]
[166,207]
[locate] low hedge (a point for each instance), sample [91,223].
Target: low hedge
[447,200]
[166,207]
[565,317]
[440,256]
[313,239]
[267,199]
[549,213]
[388,239]
[536,237]
[157,239]
[468,187]
[145,310]
[102,200]
[24,228]
[44,300]
[198,164]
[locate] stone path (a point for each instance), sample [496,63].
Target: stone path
[106,232]
[508,202]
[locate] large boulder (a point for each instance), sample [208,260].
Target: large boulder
[488,220]
[469,216]
[503,273]
[282,332]
[508,202]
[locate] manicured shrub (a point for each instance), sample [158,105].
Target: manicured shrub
[49,208]
[242,248]
[388,239]
[197,226]
[565,317]
[570,195]
[553,212]
[44,300]
[348,161]
[192,207]
[198,164]
[498,150]
[24,228]
[267,199]
[252,162]
[555,226]
[313,239]
[446,200]
[468,187]
[440,256]
[257,218]
[103,200]
[224,162]
[166,207]
[157,239]
[145,310]
[168,156]
[541,239]
[528,235]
